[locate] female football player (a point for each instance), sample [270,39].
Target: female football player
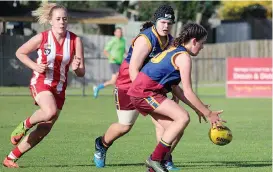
[153,39]
[57,48]
[161,75]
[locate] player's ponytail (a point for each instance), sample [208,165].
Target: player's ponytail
[189,31]
[146,25]
[44,12]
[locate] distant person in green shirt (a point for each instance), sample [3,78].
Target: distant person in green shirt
[114,51]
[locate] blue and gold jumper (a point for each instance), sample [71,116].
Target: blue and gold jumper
[158,75]
[155,46]
[154,43]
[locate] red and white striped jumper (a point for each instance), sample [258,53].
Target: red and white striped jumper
[58,57]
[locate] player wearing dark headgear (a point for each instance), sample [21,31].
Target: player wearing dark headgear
[153,38]
[161,75]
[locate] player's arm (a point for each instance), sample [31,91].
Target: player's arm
[80,71]
[142,48]
[107,49]
[179,93]
[174,98]
[183,61]
[28,47]
[106,53]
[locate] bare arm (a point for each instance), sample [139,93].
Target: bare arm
[79,69]
[28,47]
[108,48]
[141,50]
[106,53]
[179,93]
[183,61]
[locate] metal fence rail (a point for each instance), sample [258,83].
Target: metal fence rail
[205,71]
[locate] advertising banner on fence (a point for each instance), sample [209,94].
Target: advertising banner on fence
[249,77]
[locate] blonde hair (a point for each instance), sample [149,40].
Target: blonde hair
[44,12]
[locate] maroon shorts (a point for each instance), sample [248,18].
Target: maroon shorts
[122,100]
[147,105]
[59,96]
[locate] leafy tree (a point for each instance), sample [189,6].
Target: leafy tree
[147,8]
[14,8]
[86,5]
[238,9]
[186,10]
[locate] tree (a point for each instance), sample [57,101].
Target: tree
[86,5]
[186,10]
[10,8]
[147,8]
[238,9]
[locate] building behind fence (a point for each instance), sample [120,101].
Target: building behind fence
[208,67]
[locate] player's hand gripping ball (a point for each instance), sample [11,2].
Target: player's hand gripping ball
[221,136]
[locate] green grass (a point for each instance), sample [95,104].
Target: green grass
[70,145]
[218,90]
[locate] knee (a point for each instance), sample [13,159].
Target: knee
[114,76]
[125,128]
[44,128]
[50,113]
[180,135]
[184,119]
[113,80]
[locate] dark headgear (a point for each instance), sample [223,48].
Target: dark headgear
[164,12]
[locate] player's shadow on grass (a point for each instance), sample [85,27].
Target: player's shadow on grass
[57,166]
[126,164]
[84,165]
[226,164]
[185,165]
[208,164]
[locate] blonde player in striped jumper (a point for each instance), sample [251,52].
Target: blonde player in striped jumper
[57,48]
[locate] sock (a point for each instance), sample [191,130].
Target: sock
[160,151]
[14,154]
[27,123]
[106,145]
[101,86]
[168,159]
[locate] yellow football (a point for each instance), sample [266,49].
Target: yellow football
[221,136]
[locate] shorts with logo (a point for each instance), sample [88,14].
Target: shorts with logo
[148,104]
[127,113]
[35,89]
[122,100]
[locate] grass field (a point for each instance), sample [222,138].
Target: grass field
[70,145]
